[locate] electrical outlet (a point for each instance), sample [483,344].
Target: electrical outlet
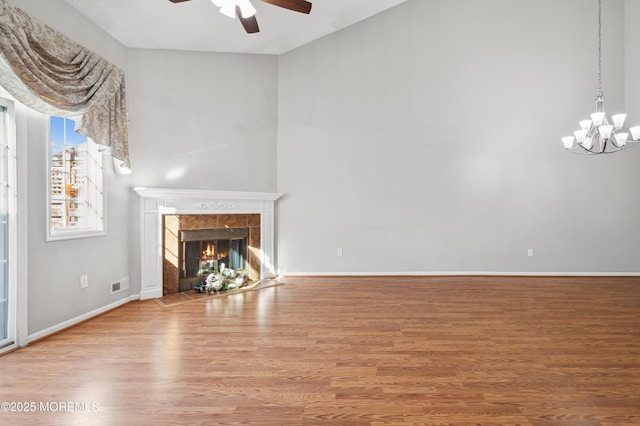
[339,251]
[530,252]
[84,281]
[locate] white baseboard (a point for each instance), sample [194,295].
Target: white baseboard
[459,273]
[66,324]
[151,294]
[9,348]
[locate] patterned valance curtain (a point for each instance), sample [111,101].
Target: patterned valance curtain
[51,74]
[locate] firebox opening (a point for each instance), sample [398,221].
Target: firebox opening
[203,256]
[196,246]
[209,251]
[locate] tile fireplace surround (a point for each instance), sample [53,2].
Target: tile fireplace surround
[157,202]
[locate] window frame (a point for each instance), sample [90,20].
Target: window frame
[11,248]
[69,234]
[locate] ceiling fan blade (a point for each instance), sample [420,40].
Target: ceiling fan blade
[301,6]
[250,24]
[177,1]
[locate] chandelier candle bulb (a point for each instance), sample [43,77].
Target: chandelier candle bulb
[568,142]
[605,131]
[618,120]
[581,135]
[621,138]
[597,118]
[585,125]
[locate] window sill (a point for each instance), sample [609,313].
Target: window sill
[72,235]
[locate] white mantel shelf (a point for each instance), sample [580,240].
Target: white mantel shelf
[157,202]
[170,193]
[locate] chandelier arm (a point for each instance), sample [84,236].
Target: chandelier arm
[581,150]
[588,151]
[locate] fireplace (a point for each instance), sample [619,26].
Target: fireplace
[195,246]
[166,215]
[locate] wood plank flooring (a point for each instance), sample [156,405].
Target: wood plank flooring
[347,351]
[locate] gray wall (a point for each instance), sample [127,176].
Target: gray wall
[427,139]
[632,59]
[54,267]
[203,120]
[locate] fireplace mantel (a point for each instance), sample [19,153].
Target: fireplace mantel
[170,193]
[157,202]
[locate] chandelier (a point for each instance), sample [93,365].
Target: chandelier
[598,135]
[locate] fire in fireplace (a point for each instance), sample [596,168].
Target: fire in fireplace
[212,250]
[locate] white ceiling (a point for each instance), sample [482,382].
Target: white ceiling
[198,25]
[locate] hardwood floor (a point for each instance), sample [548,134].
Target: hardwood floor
[347,351]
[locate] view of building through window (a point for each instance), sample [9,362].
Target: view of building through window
[76,181]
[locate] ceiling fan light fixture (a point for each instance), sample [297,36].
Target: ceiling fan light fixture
[246,8]
[228,8]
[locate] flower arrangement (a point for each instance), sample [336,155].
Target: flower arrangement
[226,279]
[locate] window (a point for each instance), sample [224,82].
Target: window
[76,181]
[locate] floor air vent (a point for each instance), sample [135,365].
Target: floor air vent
[119,285]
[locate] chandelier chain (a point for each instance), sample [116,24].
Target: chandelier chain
[600,94]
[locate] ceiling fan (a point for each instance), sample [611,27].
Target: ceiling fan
[245,11]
